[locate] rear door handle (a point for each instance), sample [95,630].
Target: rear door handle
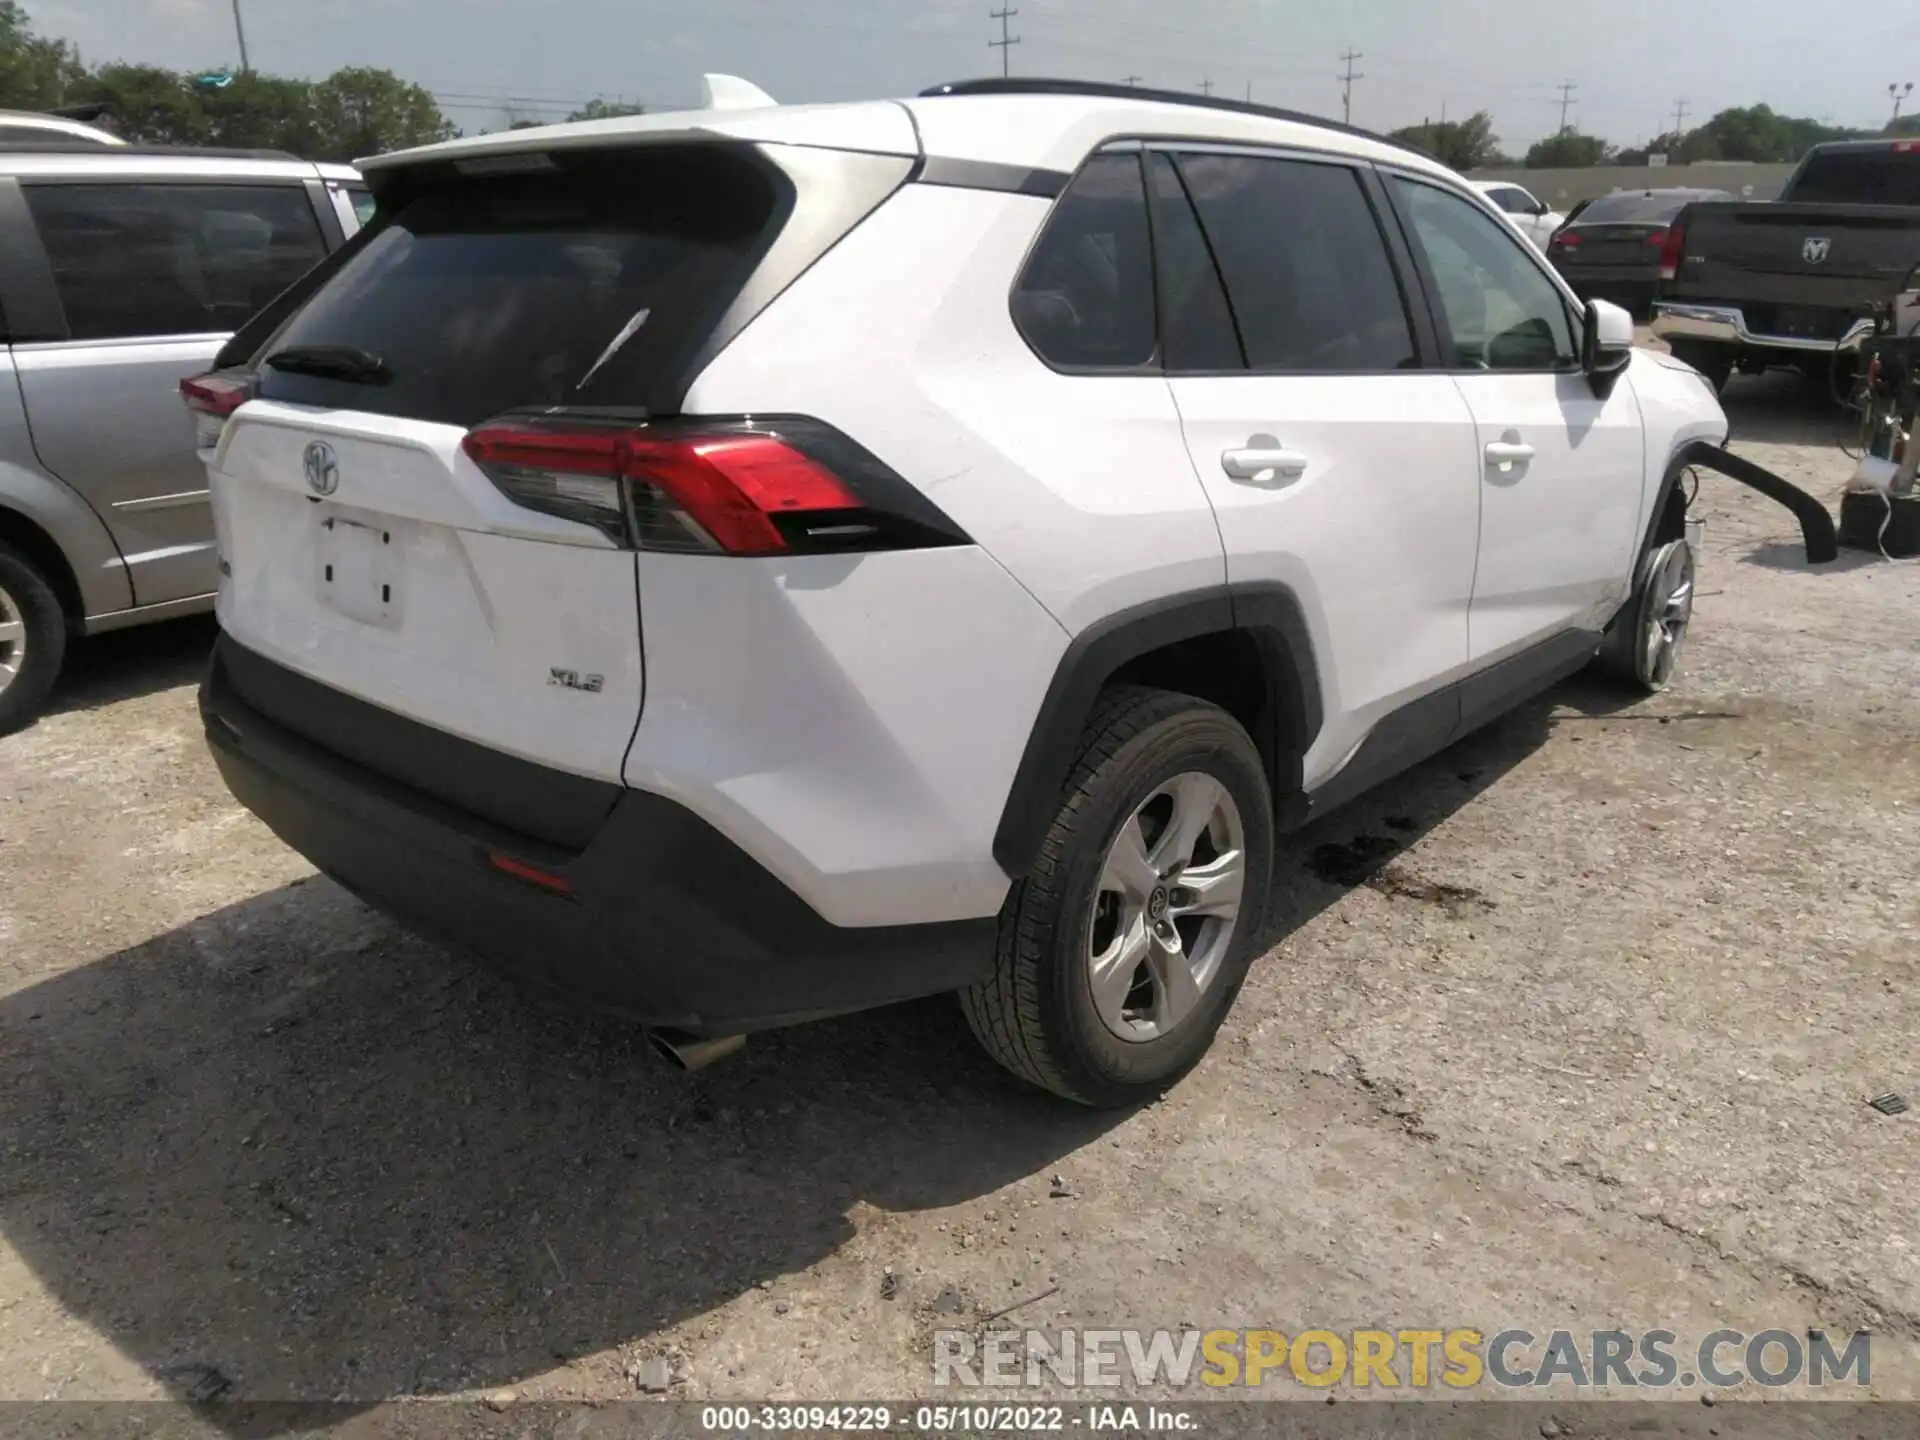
[1264,465]
[1508,452]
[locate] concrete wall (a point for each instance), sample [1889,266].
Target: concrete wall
[1561,188]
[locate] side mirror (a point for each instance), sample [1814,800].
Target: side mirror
[1606,344]
[1540,207]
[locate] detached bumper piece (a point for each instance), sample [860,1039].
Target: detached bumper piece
[656,916]
[1816,525]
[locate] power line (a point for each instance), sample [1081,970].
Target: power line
[1006,42]
[1346,85]
[1567,92]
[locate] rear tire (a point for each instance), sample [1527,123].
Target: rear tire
[1111,977]
[33,639]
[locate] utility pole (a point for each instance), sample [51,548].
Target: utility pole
[1899,95]
[1567,92]
[240,35]
[1346,84]
[1131,79]
[1680,108]
[1249,92]
[1206,87]
[1004,44]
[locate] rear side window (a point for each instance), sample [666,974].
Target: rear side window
[1084,301]
[140,260]
[1879,176]
[582,281]
[1305,266]
[362,200]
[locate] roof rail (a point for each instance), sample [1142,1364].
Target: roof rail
[1106,90]
[65,146]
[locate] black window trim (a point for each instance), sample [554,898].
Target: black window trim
[36,316]
[1429,347]
[1448,353]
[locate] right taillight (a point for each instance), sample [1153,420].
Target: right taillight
[709,487]
[1565,240]
[1672,246]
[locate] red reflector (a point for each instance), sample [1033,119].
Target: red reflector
[1658,237]
[520,870]
[215,395]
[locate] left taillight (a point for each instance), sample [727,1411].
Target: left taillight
[775,486]
[211,399]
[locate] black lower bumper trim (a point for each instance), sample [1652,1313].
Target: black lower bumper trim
[667,922]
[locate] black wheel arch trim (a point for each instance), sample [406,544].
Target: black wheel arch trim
[1268,613]
[1817,529]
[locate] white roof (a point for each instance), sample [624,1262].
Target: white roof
[33,120]
[1039,131]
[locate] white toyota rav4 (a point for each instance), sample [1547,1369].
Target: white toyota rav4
[761,563]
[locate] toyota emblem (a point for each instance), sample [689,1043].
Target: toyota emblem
[322,468]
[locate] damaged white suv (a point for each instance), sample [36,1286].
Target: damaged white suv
[762,563]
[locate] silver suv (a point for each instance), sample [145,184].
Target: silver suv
[124,270]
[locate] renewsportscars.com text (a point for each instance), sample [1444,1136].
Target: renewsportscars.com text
[1401,1359]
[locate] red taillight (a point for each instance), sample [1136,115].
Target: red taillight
[211,399]
[1673,245]
[215,394]
[1566,240]
[1658,237]
[716,488]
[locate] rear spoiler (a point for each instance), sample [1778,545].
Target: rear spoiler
[1817,529]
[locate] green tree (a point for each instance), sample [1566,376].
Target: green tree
[1468,144]
[1569,150]
[35,73]
[598,109]
[1905,125]
[148,105]
[1758,133]
[359,111]
[261,112]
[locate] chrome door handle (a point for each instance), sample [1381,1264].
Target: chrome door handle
[1507,452]
[1264,466]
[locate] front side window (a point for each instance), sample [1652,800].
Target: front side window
[141,260]
[1501,310]
[1305,266]
[1085,299]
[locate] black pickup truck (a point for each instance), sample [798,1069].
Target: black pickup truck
[1791,282]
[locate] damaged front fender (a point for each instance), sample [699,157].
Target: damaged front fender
[1816,525]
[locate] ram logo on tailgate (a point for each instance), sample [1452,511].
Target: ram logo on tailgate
[1814,250]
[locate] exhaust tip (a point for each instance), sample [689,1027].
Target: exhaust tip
[693,1052]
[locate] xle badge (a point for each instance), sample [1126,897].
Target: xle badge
[574,680]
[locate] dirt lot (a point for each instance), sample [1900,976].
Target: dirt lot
[1572,1026]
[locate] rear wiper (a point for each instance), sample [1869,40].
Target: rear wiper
[334,362]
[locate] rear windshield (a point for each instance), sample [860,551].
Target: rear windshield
[1859,177]
[578,283]
[1638,207]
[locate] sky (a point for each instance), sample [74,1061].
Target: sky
[1630,61]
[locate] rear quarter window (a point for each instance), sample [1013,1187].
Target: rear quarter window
[1878,176]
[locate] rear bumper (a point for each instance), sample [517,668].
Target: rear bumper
[1727,325]
[663,919]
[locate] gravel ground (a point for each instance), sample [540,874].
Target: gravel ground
[1572,1026]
